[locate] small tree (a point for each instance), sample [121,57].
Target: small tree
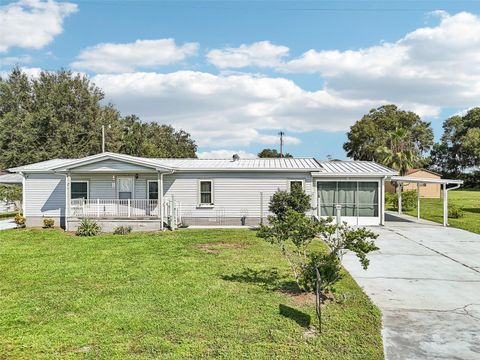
[294,231]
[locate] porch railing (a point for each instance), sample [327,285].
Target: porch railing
[114,208]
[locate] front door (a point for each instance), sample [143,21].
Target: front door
[125,188]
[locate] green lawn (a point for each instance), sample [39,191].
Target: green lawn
[173,295]
[467,200]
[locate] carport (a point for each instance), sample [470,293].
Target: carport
[419,181]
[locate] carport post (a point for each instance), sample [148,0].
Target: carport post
[418,202]
[445,205]
[399,191]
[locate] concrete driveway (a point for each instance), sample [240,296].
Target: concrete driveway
[7,224]
[426,281]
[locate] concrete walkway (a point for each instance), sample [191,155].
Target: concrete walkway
[7,224]
[426,281]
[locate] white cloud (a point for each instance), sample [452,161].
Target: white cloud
[32,72]
[14,60]
[32,23]
[431,67]
[230,110]
[225,154]
[111,58]
[262,53]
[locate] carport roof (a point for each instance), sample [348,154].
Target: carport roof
[409,179]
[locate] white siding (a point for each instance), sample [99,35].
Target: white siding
[235,194]
[111,166]
[45,195]
[103,186]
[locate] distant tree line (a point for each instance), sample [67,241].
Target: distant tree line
[60,115]
[401,140]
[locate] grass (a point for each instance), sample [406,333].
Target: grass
[175,295]
[467,200]
[8,215]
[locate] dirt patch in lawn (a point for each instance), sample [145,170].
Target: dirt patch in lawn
[307,298]
[215,248]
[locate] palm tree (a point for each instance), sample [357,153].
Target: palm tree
[399,154]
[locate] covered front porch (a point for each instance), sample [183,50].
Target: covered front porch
[117,192]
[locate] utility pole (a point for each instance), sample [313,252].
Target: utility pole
[281,133]
[103,138]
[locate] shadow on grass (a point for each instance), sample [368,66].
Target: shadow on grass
[269,279]
[299,317]
[472,210]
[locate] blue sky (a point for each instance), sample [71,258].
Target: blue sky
[235,73]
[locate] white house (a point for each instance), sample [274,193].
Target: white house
[117,189]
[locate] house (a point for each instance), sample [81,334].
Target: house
[148,193]
[427,190]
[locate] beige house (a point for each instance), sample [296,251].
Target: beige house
[430,191]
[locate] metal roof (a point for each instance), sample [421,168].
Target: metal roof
[11,179]
[307,164]
[355,168]
[250,164]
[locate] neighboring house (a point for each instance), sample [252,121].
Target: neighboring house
[431,191]
[117,189]
[9,179]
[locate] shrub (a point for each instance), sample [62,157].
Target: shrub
[454,212]
[48,223]
[88,227]
[122,230]
[20,219]
[409,200]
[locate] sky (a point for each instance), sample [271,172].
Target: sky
[235,73]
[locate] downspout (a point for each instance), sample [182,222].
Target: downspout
[160,198]
[382,202]
[24,195]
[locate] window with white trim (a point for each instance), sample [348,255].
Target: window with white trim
[79,189]
[294,183]
[205,192]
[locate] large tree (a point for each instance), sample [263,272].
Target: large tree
[60,115]
[272,153]
[459,147]
[374,131]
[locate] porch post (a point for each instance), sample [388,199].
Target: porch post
[418,202]
[160,197]
[445,205]
[382,202]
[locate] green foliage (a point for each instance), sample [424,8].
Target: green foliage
[454,212]
[48,223]
[374,131]
[409,200]
[88,227]
[11,193]
[294,232]
[459,147]
[20,220]
[60,115]
[296,200]
[272,153]
[122,230]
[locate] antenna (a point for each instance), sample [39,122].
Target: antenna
[281,133]
[103,138]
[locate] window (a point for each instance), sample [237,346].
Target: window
[357,198]
[206,192]
[79,190]
[153,190]
[295,183]
[125,188]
